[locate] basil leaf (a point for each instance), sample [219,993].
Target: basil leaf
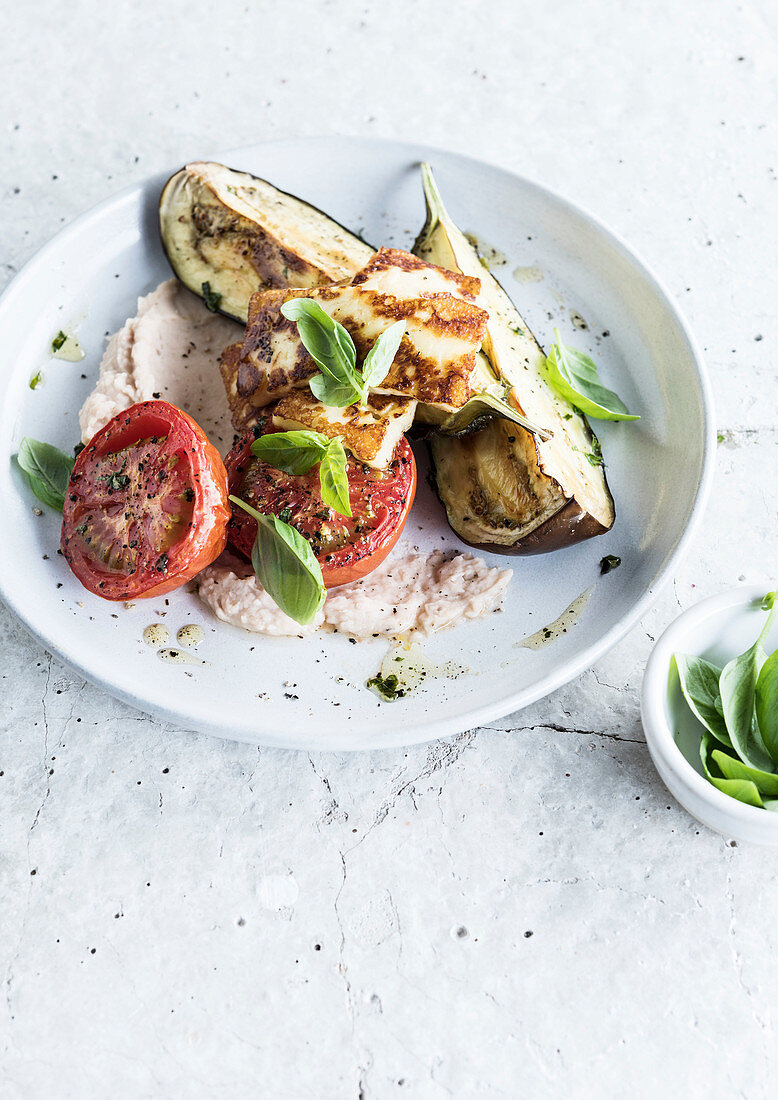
[700,687]
[381,356]
[296,452]
[738,696]
[767,704]
[48,471]
[765,782]
[334,480]
[330,346]
[286,566]
[744,790]
[293,452]
[332,394]
[573,374]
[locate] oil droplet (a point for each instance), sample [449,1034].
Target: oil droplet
[190,635]
[178,657]
[561,625]
[531,274]
[156,634]
[489,255]
[405,668]
[65,346]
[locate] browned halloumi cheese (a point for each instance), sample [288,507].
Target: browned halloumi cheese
[243,412]
[269,363]
[392,271]
[433,363]
[371,432]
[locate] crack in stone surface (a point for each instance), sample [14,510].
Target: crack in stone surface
[440,756]
[556,728]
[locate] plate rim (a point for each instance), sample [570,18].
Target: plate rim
[429,728]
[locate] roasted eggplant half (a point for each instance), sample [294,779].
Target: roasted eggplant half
[228,234]
[503,488]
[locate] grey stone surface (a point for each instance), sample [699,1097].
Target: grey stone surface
[518,911]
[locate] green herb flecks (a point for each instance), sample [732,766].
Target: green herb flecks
[36,380]
[573,374]
[285,566]
[64,346]
[593,457]
[386,686]
[608,563]
[329,344]
[211,298]
[48,471]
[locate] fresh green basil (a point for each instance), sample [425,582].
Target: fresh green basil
[738,707]
[700,687]
[333,478]
[293,452]
[381,356]
[765,782]
[738,697]
[48,471]
[744,790]
[330,346]
[286,566]
[766,700]
[296,452]
[573,374]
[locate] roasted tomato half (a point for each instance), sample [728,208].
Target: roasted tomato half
[346,548]
[146,508]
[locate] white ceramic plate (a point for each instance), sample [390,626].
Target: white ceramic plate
[659,468]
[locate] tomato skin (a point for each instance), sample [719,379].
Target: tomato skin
[268,490]
[170,506]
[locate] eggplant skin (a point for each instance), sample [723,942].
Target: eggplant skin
[571,524]
[506,490]
[228,234]
[498,500]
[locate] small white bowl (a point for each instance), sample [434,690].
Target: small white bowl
[718,629]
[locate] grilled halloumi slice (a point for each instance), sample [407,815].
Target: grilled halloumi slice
[403,275]
[371,432]
[433,363]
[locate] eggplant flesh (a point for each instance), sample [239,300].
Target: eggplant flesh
[504,488]
[228,234]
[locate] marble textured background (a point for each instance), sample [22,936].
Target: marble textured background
[522,910]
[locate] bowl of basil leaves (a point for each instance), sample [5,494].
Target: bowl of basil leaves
[710,712]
